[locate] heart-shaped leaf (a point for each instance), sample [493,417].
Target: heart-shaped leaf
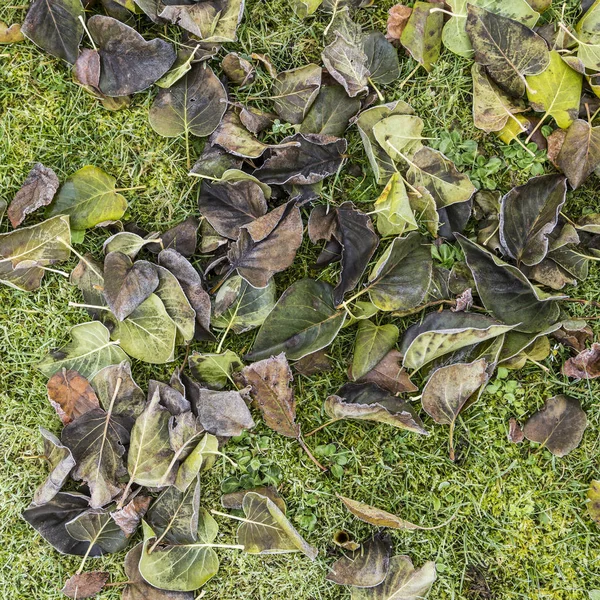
[303,321]
[559,426]
[89,351]
[224,414]
[55,26]
[89,197]
[194,105]
[266,529]
[71,395]
[214,370]
[130,64]
[97,528]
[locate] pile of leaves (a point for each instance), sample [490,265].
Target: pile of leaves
[138,460]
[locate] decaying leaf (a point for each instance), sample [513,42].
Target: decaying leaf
[403,582]
[37,190]
[129,517]
[347,64]
[295,91]
[365,567]
[559,426]
[194,105]
[86,584]
[330,112]
[579,155]
[394,211]
[593,505]
[130,64]
[55,26]
[235,500]
[369,402]
[448,390]
[586,365]
[61,463]
[372,343]
[267,530]
[239,71]
[303,321]
[389,374]
[515,433]
[71,395]
[214,370]
[224,414]
[10,34]
[528,215]
[422,33]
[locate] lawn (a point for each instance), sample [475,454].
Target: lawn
[521,530]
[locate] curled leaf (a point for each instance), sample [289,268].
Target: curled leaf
[586,365]
[38,190]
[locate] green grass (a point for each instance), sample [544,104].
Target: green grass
[522,526]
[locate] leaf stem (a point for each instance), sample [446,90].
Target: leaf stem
[130,189]
[327,424]
[53,271]
[88,33]
[81,257]
[235,518]
[91,306]
[409,76]
[309,453]
[451,440]
[528,138]
[379,94]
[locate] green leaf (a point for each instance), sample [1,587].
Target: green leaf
[382,165]
[201,458]
[181,568]
[55,26]
[394,212]
[303,321]
[382,58]
[492,106]
[556,91]
[400,278]
[89,351]
[194,105]
[439,176]
[402,582]
[150,456]
[528,215]
[303,8]
[372,343]
[455,36]
[508,49]
[507,293]
[331,112]
[422,35]
[98,529]
[399,135]
[148,333]
[593,505]
[89,198]
[267,530]
[444,333]
[241,307]
[128,243]
[295,91]
[128,399]
[214,370]
[25,251]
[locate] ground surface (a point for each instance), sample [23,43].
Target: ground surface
[521,532]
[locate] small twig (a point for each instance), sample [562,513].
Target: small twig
[309,453]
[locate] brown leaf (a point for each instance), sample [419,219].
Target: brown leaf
[397,20]
[366,567]
[515,433]
[381,518]
[85,585]
[71,395]
[559,426]
[317,362]
[586,365]
[239,71]
[266,61]
[272,394]
[573,337]
[555,141]
[343,539]
[593,496]
[464,301]
[128,518]
[38,190]
[388,373]
[10,35]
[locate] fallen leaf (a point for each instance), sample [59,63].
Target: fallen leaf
[129,517]
[238,70]
[214,370]
[317,362]
[330,112]
[559,426]
[593,504]
[223,414]
[397,19]
[86,584]
[365,567]
[382,58]
[95,527]
[235,500]
[71,395]
[372,343]
[515,433]
[422,34]
[579,155]
[347,64]
[295,91]
[586,365]
[115,385]
[389,374]
[10,34]
[38,190]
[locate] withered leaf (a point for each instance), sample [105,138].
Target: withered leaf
[317,362]
[397,19]
[365,567]
[235,500]
[515,433]
[38,190]
[593,505]
[86,584]
[559,426]
[303,159]
[239,71]
[347,64]
[331,112]
[586,365]
[224,414]
[579,154]
[295,91]
[128,518]
[71,395]
[272,394]
[129,63]
[267,245]
[389,374]
[127,284]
